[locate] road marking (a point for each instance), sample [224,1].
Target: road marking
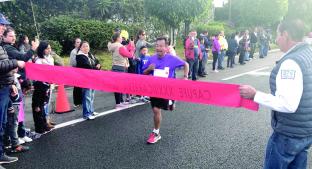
[242,74]
[260,73]
[69,123]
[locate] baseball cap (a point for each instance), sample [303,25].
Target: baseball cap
[3,20]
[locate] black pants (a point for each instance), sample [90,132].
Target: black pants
[118,96]
[214,59]
[231,58]
[193,64]
[242,56]
[77,96]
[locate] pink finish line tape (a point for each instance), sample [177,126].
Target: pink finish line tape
[218,94]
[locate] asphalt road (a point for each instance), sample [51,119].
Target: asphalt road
[193,136]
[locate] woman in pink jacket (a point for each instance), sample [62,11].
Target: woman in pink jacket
[193,54]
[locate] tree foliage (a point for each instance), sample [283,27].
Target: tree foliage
[301,9]
[173,12]
[254,13]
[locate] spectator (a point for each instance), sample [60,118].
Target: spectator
[120,62]
[86,60]
[10,135]
[6,84]
[203,61]
[77,92]
[23,44]
[253,42]
[193,54]
[216,49]
[232,51]
[42,92]
[243,47]
[224,47]
[141,41]
[9,38]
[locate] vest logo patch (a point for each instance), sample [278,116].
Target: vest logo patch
[288,74]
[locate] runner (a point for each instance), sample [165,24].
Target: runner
[162,65]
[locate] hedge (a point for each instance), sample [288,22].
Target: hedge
[65,29]
[214,28]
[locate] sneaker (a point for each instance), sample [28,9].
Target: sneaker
[216,71]
[4,159]
[133,101]
[91,117]
[144,100]
[121,106]
[95,113]
[77,106]
[20,141]
[19,149]
[26,139]
[153,138]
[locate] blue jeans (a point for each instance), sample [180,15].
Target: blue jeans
[285,152]
[221,58]
[10,135]
[4,101]
[193,64]
[87,102]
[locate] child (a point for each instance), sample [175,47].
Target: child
[10,134]
[143,59]
[141,62]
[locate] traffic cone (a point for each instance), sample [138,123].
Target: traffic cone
[62,103]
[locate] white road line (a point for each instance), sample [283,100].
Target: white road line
[260,73]
[242,74]
[72,122]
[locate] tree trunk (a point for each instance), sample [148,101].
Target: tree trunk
[187,24]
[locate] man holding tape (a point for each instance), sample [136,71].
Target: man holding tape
[162,65]
[290,100]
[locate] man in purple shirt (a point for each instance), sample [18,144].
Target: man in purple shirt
[162,65]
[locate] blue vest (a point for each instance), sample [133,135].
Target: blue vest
[299,123]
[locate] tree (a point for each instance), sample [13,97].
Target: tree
[248,13]
[173,12]
[300,9]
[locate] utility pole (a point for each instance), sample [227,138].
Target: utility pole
[34,17]
[230,10]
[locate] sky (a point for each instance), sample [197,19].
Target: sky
[219,3]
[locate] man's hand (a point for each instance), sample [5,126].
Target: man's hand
[247,91]
[34,44]
[98,66]
[14,90]
[151,67]
[37,109]
[20,64]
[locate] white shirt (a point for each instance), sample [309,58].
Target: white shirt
[289,89]
[72,58]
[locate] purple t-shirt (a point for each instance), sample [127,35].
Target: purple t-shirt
[168,60]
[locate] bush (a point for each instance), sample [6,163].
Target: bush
[56,46]
[65,29]
[214,28]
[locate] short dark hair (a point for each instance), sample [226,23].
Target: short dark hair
[7,30]
[163,38]
[142,47]
[115,36]
[294,27]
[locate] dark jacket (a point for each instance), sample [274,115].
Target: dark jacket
[13,53]
[253,37]
[233,46]
[86,62]
[299,123]
[6,67]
